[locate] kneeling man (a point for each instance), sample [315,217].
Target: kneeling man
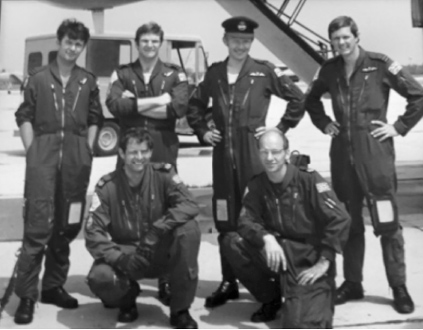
[290,227]
[141,225]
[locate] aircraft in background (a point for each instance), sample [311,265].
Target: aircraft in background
[10,81]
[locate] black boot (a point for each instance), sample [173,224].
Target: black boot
[348,291]
[267,311]
[183,320]
[225,291]
[25,311]
[59,297]
[164,293]
[402,300]
[128,314]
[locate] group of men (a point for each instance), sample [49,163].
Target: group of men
[280,225]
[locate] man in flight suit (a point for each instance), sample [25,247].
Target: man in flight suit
[362,151]
[141,225]
[240,89]
[58,122]
[152,94]
[291,225]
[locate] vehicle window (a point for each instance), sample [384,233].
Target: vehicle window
[183,54]
[35,60]
[202,64]
[104,56]
[52,56]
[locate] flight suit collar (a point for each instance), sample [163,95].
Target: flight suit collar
[136,66]
[54,69]
[289,175]
[245,70]
[358,64]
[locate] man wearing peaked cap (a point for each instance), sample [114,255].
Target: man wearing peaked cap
[240,88]
[240,24]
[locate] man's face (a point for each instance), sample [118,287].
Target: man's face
[272,153]
[70,49]
[148,46]
[344,42]
[238,45]
[135,156]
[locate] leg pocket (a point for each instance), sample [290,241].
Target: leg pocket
[39,218]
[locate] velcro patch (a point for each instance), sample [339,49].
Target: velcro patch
[182,76]
[394,68]
[322,187]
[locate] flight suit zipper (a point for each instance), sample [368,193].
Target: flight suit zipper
[362,88]
[62,131]
[246,98]
[127,216]
[229,105]
[137,214]
[348,113]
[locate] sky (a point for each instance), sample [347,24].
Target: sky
[385,25]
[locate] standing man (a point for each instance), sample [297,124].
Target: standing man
[58,122]
[142,225]
[362,151]
[151,94]
[240,88]
[291,225]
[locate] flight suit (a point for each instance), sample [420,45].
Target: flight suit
[122,216]
[165,78]
[237,111]
[305,216]
[58,167]
[361,166]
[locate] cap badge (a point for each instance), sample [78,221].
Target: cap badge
[242,26]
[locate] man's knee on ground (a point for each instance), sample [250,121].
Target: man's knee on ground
[107,285]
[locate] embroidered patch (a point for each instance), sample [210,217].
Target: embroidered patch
[394,68]
[330,203]
[369,69]
[95,202]
[83,81]
[167,74]
[322,187]
[278,72]
[182,76]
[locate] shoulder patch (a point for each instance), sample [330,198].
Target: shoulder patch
[172,66]
[394,68]
[323,187]
[37,69]
[95,202]
[378,56]
[104,179]
[176,179]
[278,72]
[182,76]
[162,166]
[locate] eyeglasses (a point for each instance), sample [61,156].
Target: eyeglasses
[273,152]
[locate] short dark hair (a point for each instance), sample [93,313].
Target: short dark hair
[280,133]
[74,30]
[138,134]
[340,22]
[151,27]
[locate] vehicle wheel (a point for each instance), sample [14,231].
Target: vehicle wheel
[108,139]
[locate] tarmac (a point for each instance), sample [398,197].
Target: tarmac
[194,166]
